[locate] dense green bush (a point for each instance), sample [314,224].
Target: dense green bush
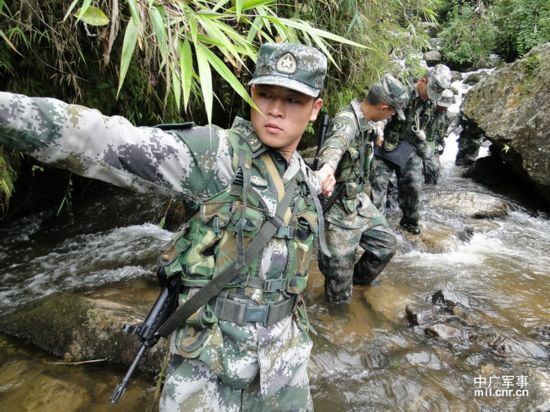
[472,30]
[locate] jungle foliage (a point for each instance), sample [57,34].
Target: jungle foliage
[472,30]
[156,61]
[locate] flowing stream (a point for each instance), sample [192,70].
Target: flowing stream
[365,356]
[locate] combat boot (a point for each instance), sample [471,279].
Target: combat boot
[410,227]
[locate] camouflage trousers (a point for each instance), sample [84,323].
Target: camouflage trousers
[468,149]
[409,185]
[432,167]
[345,232]
[242,368]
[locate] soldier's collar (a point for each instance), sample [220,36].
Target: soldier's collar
[246,131]
[361,119]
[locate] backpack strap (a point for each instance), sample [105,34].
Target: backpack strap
[214,287]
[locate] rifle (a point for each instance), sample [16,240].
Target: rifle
[321,128]
[327,204]
[147,331]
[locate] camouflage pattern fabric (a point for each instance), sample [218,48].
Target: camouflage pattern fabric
[258,358]
[409,185]
[353,220]
[470,140]
[410,178]
[195,163]
[435,135]
[293,66]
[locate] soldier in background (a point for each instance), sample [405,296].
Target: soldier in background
[435,136]
[353,220]
[405,147]
[469,142]
[248,347]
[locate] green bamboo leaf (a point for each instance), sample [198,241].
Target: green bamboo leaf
[192,26]
[238,9]
[176,87]
[85,5]
[128,47]
[297,24]
[220,4]
[212,28]
[186,70]
[132,4]
[92,16]
[250,4]
[71,7]
[7,40]
[160,32]
[2,5]
[228,75]
[205,78]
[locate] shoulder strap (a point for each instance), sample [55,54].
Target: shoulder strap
[214,287]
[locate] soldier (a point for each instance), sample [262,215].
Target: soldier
[352,220]
[435,136]
[247,348]
[469,142]
[405,147]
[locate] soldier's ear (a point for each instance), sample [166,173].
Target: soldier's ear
[317,105]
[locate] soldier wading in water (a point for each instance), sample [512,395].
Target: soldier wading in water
[247,348]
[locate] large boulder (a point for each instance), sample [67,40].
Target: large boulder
[78,328]
[512,108]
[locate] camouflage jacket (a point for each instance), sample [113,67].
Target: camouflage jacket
[197,163]
[437,129]
[348,150]
[397,130]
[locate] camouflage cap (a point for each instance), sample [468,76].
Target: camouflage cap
[392,92]
[447,98]
[439,79]
[291,65]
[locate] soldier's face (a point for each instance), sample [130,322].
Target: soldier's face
[382,112]
[284,115]
[422,88]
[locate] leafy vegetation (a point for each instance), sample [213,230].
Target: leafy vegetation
[475,29]
[159,61]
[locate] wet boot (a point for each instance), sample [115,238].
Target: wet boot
[410,227]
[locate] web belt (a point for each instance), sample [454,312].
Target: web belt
[243,312]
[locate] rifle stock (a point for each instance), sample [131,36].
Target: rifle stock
[322,128]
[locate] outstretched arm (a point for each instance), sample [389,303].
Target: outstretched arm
[111,149]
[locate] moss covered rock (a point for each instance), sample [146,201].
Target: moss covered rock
[78,328]
[513,110]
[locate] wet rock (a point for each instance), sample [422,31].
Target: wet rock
[472,79]
[418,315]
[432,57]
[507,346]
[434,238]
[456,76]
[77,328]
[442,331]
[472,204]
[512,108]
[450,299]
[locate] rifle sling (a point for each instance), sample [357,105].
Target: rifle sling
[212,288]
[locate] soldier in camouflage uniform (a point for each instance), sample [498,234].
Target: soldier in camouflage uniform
[353,220]
[247,348]
[469,142]
[435,136]
[405,148]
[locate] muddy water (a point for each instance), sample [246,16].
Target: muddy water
[365,357]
